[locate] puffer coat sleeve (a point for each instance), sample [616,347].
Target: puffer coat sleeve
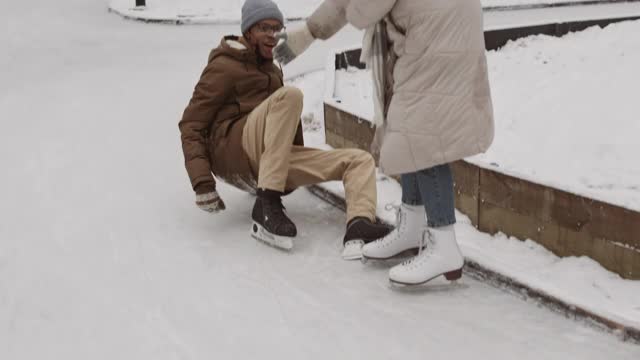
[365,13]
[328,19]
[209,94]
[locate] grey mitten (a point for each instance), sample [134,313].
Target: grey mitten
[292,43]
[210,202]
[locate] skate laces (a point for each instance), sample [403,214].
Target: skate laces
[390,207]
[277,206]
[399,220]
[424,241]
[399,213]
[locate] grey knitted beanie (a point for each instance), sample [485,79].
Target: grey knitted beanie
[258,10]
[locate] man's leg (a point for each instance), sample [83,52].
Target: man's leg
[443,256]
[354,167]
[410,227]
[268,136]
[267,139]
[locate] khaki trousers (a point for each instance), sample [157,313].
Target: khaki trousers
[267,139]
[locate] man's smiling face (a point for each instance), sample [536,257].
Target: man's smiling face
[261,37]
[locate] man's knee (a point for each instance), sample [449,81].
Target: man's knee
[290,94]
[361,157]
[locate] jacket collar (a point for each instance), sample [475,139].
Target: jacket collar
[238,48]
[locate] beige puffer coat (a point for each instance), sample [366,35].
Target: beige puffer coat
[441,109]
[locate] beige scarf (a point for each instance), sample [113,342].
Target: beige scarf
[374,48]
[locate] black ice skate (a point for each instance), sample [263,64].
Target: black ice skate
[270,224]
[360,231]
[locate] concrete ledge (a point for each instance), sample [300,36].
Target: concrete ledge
[565,223]
[495,39]
[553,5]
[139,15]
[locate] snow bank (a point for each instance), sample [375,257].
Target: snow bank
[208,11]
[313,110]
[516,3]
[353,89]
[566,112]
[565,109]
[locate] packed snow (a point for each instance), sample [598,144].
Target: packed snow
[206,10]
[103,254]
[353,91]
[567,112]
[507,19]
[530,3]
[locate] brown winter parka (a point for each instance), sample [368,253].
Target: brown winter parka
[234,82]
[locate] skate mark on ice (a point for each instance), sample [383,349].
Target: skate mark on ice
[429,287]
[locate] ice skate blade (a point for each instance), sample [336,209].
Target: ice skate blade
[280,242]
[452,276]
[352,250]
[401,255]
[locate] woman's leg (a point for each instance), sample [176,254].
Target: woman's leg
[441,255]
[410,190]
[411,224]
[436,190]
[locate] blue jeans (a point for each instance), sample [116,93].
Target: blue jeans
[432,188]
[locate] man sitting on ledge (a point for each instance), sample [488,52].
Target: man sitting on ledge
[243,125]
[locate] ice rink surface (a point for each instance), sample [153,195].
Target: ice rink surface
[103,254]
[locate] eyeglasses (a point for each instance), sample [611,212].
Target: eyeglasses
[266,28]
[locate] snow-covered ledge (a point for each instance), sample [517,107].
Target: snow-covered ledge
[182,12]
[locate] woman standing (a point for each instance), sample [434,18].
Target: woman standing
[433,106]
